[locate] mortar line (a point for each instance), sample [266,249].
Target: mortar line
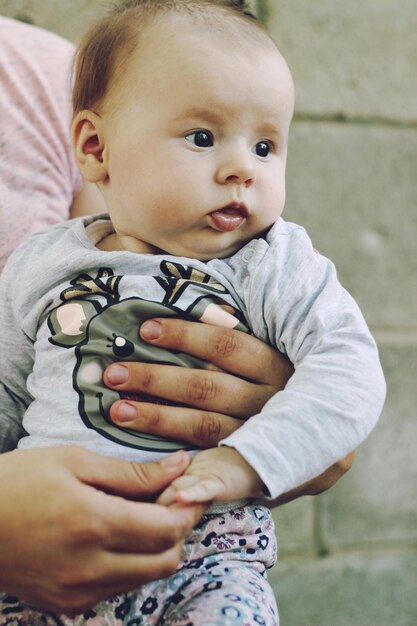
[399,337]
[407,547]
[339,117]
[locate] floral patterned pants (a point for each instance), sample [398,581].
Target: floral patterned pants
[221,581]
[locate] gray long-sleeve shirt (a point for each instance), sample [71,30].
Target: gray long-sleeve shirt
[69,309]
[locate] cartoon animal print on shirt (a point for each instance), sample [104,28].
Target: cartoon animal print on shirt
[104,332]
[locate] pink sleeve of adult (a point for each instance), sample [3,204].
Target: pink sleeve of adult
[38,176]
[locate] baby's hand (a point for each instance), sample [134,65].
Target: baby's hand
[216,474]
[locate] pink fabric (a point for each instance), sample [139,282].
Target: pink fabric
[38,177]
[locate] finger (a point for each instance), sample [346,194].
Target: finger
[169,496]
[132,570]
[228,349]
[203,491]
[204,429]
[202,389]
[142,527]
[111,574]
[124,478]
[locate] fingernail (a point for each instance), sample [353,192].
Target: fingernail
[151,329]
[117,374]
[125,412]
[173,459]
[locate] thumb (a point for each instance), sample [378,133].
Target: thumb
[130,479]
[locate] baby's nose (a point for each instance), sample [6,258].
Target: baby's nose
[237,167]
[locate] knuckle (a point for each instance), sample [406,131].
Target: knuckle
[207,429]
[201,388]
[77,456]
[225,344]
[88,573]
[142,474]
[86,529]
[69,578]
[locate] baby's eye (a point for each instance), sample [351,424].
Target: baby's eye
[200,138]
[262,148]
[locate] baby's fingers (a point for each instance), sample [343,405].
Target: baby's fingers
[169,495]
[204,490]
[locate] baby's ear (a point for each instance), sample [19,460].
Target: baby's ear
[89,146]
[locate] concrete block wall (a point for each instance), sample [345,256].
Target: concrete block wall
[348,557]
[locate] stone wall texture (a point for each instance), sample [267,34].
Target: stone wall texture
[349,556]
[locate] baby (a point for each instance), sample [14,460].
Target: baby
[182,111]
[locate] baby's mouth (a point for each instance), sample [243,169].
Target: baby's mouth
[229,217]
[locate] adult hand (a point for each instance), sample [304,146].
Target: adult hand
[245,373]
[71,534]
[319,484]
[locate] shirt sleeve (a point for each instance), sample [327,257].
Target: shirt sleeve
[16,363]
[336,394]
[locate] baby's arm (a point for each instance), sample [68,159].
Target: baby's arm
[335,396]
[217,474]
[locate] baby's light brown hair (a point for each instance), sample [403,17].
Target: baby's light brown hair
[111,41]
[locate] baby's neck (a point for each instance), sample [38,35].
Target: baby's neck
[113,242]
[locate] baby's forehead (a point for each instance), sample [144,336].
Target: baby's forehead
[176,50]
[216,29]
[224,28]
[213,20]
[188,35]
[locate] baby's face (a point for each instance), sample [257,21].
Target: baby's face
[196,132]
